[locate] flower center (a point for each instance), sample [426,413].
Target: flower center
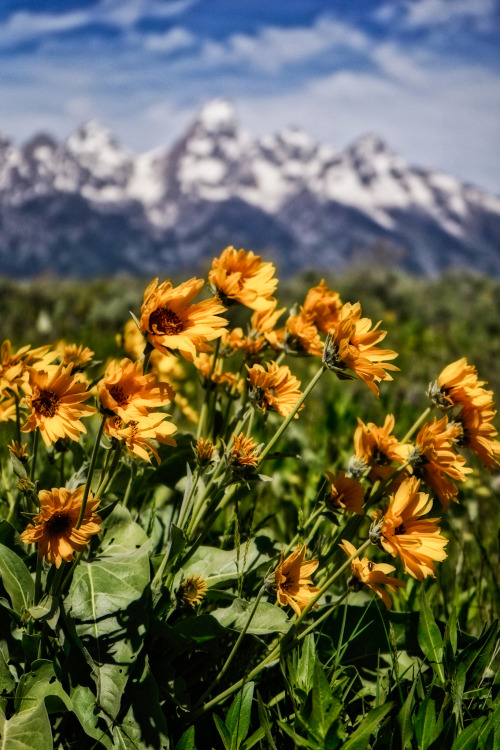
[119,395]
[400,529]
[164,320]
[58,524]
[46,403]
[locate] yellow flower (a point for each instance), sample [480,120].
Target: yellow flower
[19,450]
[435,461]
[171,322]
[139,433]
[54,529]
[457,385]
[127,392]
[7,409]
[204,450]
[345,493]
[378,448]
[352,346]
[293,580]
[416,540]
[204,365]
[243,452]
[192,590]
[478,433]
[301,336]
[374,575]
[13,365]
[79,356]
[54,398]
[240,276]
[323,306]
[276,389]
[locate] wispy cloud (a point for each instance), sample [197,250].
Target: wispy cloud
[418,14]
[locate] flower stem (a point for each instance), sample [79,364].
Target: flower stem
[294,411]
[35,452]
[417,424]
[91,471]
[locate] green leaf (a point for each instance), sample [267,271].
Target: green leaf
[220,565]
[18,467]
[325,706]
[186,742]
[483,654]
[305,666]
[107,601]
[268,618]
[253,739]
[7,681]
[39,685]
[87,712]
[468,738]
[404,718]
[425,723]
[429,638]
[16,579]
[27,731]
[239,715]
[360,737]
[222,729]
[45,607]
[264,722]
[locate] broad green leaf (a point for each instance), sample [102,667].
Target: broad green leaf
[404,718]
[325,705]
[483,654]
[425,723]
[16,579]
[305,666]
[7,681]
[268,618]
[490,731]
[107,602]
[223,731]
[87,712]
[186,742]
[429,638]
[239,715]
[468,738]
[360,737]
[221,565]
[39,685]
[27,731]
[43,609]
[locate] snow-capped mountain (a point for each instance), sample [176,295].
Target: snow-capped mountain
[89,206]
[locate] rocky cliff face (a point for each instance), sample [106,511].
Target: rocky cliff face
[88,206]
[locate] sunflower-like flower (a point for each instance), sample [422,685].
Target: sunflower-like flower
[275,388]
[54,530]
[374,575]
[323,306]
[204,365]
[352,346]
[345,493]
[404,533]
[292,579]
[240,276]
[55,399]
[128,393]
[7,409]
[301,336]
[192,590]
[203,451]
[244,451]
[171,321]
[378,448]
[19,450]
[13,365]
[79,356]
[436,462]
[478,433]
[140,434]
[458,385]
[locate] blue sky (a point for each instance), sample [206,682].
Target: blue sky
[424,74]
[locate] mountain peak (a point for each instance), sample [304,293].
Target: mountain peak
[218,115]
[369,145]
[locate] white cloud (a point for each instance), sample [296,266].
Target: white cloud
[273,48]
[171,41]
[430,13]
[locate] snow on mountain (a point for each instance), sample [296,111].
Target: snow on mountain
[217,185]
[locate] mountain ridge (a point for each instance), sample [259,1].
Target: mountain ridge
[89,206]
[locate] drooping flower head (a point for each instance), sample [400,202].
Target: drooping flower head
[374,575]
[323,306]
[55,400]
[240,276]
[275,388]
[128,393]
[54,528]
[352,346]
[345,493]
[436,462]
[141,434]
[293,582]
[300,336]
[478,433]
[458,385]
[378,448]
[79,356]
[171,321]
[13,365]
[404,533]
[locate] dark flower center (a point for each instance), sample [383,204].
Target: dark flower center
[400,529]
[58,524]
[46,403]
[164,320]
[119,395]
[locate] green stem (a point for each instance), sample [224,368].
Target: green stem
[91,472]
[417,424]
[294,411]
[130,482]
[61,470]
[235,648]
[38,579]
[35,452]
[106,479]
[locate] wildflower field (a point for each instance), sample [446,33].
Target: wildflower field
[243,516]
